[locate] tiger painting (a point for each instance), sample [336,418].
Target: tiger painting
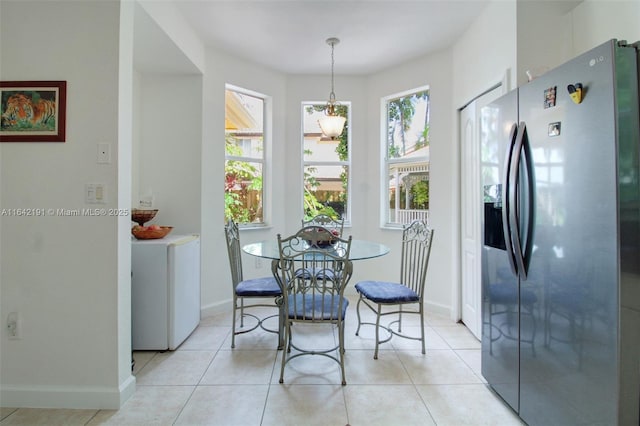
[21,112]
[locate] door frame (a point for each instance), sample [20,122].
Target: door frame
[456,306]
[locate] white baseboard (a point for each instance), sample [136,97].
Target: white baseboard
[72,397]
[216,308]
[437,308]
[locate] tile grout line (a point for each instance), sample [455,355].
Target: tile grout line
[269,384]
[197,385]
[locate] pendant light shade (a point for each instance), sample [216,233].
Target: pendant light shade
[332,124]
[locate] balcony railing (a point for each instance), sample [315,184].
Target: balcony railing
[408,216]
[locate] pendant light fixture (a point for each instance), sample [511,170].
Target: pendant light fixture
[332,124]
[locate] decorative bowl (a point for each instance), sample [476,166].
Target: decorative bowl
[151,234]
[321,243]
[141,216]
[317,237]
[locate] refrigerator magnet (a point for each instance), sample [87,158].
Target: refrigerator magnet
[575,91]
[550,97]
[554,129]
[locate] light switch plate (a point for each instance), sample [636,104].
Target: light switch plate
[95,193]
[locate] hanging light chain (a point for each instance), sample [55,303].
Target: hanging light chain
[332,96]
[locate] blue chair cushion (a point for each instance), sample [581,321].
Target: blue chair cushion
[256,287]
[386,292]
[308,307]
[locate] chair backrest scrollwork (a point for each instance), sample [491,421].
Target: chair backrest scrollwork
[313,272]
[416,250]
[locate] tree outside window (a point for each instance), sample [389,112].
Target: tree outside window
[326,165]
[407,157]
[244,156]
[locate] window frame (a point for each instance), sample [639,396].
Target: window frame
[348,163]
[385,161]
[264,159]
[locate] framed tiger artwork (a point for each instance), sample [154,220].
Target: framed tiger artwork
[33,111]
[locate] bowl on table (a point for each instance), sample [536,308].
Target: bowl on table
[142,216]
[144,233]
[323,239]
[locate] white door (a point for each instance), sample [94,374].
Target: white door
[470,203]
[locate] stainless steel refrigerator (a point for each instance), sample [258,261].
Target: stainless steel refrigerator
[561,242]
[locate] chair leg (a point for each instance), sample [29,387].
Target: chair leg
[287,338]
[280,324]
[233,322]
[422,328]
[375,354]
[341,350]
[358,313]
[241,312]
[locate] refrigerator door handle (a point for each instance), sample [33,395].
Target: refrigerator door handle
[514,200]
[508,203]
[530,200]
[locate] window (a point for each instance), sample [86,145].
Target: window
[326,165]
[244,156]
[406,157]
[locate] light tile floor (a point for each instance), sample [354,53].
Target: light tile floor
[205,382]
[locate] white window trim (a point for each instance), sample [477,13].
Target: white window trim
[384,161]
[267,189]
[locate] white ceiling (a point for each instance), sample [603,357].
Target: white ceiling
[290,35]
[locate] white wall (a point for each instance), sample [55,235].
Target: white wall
[167,156]
[485,53]
[543,36]
[596,21]
[181,36]
[63,274]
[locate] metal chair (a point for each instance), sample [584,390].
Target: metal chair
[313,272]
[416,248]
[326,221]
[256,288]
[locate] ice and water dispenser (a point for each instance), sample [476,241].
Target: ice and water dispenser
[493,230]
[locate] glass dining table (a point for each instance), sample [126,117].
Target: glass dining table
[360,249]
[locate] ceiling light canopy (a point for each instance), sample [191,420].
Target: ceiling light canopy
[332,124]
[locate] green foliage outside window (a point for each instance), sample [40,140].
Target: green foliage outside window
[420,194]
[400,114]
[242,180]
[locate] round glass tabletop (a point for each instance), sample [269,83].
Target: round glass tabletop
[360,249]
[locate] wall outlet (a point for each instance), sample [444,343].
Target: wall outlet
[13,326]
